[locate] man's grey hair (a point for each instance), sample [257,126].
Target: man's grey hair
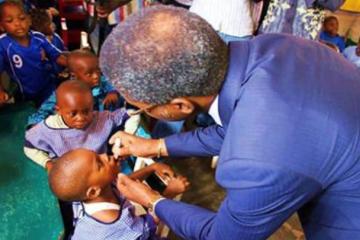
[163,53]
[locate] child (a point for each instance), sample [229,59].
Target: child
[41,21]
[84,66]
[352,53]
[82,175]
[330,32]
[75,125]
[24,54]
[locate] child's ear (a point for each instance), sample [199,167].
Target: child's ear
[93,192]
[57,109]
[2,29]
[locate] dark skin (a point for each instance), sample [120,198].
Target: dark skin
[331,27]
[101,171]
[86,69]
[15,22]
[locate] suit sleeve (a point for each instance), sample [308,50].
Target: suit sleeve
[266,198]
[267,166]
[202,142]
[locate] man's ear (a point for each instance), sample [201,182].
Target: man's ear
[93,192]
[183,105]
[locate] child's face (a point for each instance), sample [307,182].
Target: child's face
[76,109]
[15,22]
[332,27]
[88,71]
[103,169]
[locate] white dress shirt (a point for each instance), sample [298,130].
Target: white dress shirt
[232,17]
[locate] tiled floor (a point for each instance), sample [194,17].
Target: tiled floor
[206,193]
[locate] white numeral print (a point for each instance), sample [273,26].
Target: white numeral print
[17,61]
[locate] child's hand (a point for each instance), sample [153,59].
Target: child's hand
[4,97]
[111,99]
[163,170]
[176,186]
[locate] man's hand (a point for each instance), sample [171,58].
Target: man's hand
[111,99]
[137,146]
[136,191]
[176,186]
[4,97]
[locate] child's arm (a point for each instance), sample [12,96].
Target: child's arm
[4,97]
[162,169]
[112,96]
[40,157]
[33,139]
[53,53]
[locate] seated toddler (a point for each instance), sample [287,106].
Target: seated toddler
[24,55]
[82,175]
[83,66]
[74,125]
[330,33]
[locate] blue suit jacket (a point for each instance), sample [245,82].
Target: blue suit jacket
[290,110]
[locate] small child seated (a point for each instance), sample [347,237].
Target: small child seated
[24,54]
[82,175]
[352,53]
[41,21]
[75,125]
[330,32]
[84,66]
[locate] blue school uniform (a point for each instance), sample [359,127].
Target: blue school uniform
[28,65]
[337,40]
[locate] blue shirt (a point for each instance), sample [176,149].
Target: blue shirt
[337,40]
[289,141]
[28,65]
[350,54]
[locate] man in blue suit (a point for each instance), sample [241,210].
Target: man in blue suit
[287,133]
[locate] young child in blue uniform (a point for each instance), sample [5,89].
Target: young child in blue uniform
[24,54]
[84,66]
[104,214]
[330,33]
[41,21]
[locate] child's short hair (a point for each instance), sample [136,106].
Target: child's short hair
[39,19]
[75,54]
[329,18]
[10,3]
[73,86]
[67,178]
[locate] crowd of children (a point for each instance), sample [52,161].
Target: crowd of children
[68,134]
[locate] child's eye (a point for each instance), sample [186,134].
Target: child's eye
[72,114]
